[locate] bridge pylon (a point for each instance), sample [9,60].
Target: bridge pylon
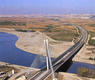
[48,59]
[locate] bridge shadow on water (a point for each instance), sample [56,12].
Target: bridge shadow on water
[65,66]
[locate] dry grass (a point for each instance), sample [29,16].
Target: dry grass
[41,23]
[55,28]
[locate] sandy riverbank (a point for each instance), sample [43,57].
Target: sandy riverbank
[33,42]
[85,54]
[68,76]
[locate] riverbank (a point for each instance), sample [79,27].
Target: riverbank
[19,70]
[69,76]
[86,55]
[33,42]
[13,65]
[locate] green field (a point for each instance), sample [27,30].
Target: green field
[91,41]
[3,23]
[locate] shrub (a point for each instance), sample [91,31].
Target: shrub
[92,58]
[12,23]
[32,30]
[48,28]
[91,42]
[21,30]
[84,72]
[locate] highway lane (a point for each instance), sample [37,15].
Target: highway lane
[59,61]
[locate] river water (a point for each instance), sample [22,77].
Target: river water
[75,65]
[11,54]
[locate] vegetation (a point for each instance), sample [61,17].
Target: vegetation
[66,24]
[48,28]
[21,30]
[84,72]
[91,25]
[12,23]
[53,27]
[92,58]
[5,71]
[91,41]
[5,68]
[63,35]
[32,30]
[92,34]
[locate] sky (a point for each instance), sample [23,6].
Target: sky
[46,6]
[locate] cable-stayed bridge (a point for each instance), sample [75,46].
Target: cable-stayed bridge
[63,58]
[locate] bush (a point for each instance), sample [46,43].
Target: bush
[12,23]
[91,42]
[92,58]
[32,30]
[84,72]
[48,28]
[92,25]
[21,30]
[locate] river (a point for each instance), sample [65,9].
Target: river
[11,54]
